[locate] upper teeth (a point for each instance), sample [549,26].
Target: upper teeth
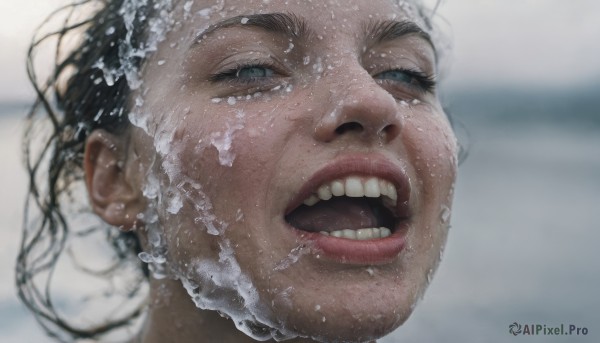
[354,186]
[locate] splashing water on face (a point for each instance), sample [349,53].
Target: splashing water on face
[213,285]
[222,141]
[223,287]
[445,215]
[217,278]
[292,257]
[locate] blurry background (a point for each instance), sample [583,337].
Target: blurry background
[525,91]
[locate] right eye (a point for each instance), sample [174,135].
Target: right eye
[245,73]
[408,78]
[254,72]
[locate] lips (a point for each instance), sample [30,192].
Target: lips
[355,210]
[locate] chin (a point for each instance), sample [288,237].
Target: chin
[344,327]
[344,311]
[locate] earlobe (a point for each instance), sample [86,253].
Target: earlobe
[113,194]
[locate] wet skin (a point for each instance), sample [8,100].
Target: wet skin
[331,94]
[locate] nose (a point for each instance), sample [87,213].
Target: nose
[359,108]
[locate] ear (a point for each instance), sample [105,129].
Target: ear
[114,194]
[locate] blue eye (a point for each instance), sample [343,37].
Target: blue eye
[396,75]
[254,72]
[246,73]
[412,78]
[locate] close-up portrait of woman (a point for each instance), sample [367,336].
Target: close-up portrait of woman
[264,169]
[259,170]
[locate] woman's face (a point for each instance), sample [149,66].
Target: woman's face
[270,135]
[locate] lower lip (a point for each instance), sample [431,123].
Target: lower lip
[367,252]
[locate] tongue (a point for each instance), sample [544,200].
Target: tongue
[339,213]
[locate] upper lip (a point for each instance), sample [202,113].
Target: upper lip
[358,165]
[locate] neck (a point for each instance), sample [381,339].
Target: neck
[173,317]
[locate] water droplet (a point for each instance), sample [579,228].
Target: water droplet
[445,214]
[205,12]
[188,6]
[98,115]
[145,257]
[159,259]
[292,257]
[289,49]
[154,238]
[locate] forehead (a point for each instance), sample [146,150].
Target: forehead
[322,14]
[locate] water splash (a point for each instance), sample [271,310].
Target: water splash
[445,214]
[222,286]
[223,140]
[292,257]
[289,48]
[175,203]
[192,192]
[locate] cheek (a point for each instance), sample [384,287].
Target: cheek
[187,152]
[217,170]
[432,150]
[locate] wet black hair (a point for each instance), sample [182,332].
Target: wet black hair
[76,99]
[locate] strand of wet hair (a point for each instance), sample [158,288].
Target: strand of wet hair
[53,225]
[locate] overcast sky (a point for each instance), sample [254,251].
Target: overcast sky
[528,43]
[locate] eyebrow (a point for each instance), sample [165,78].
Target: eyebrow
[388,30]
[283,23]
[293,26]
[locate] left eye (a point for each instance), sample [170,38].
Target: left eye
[254,72]
[396,75]
[411,78]
[246,73]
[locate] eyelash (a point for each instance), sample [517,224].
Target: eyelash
[424,82]
[232,74]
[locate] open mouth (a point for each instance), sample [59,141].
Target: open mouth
[354,207]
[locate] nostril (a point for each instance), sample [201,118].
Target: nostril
[351,126]
[391,131]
